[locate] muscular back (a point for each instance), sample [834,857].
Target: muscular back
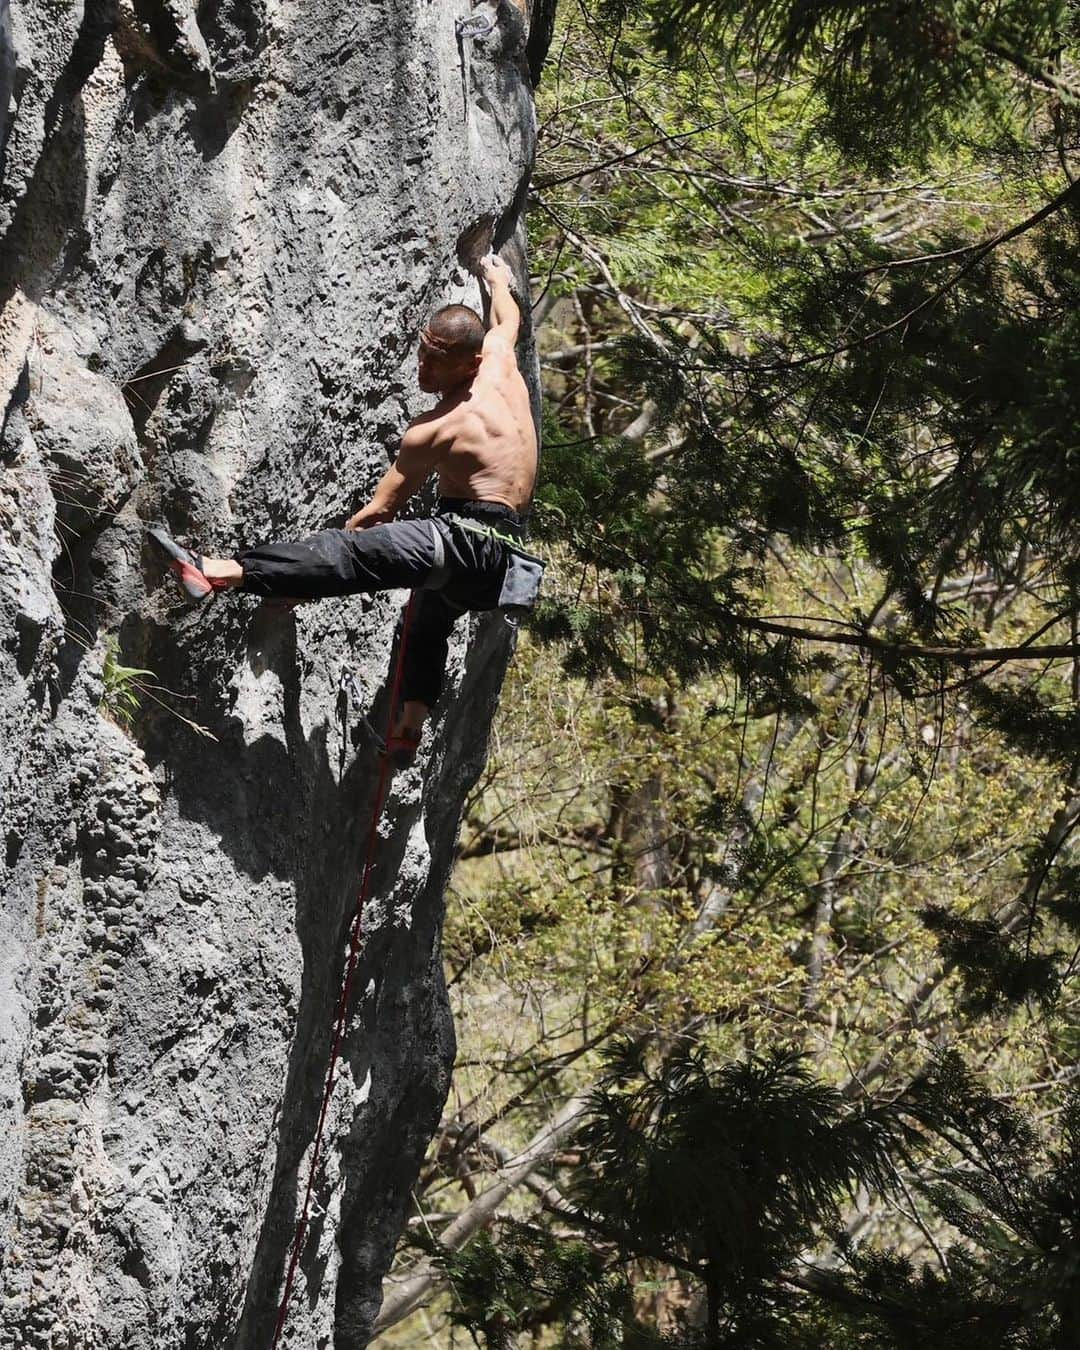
[485,438]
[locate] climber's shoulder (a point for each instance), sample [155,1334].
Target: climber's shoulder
[426,428]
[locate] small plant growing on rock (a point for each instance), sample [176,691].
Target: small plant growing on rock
[121,688]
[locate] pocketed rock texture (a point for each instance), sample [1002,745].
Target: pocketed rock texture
[222,224]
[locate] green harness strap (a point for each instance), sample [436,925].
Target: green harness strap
[508,539]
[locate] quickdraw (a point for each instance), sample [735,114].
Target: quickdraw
[471,27]
[354,699]
[475,26]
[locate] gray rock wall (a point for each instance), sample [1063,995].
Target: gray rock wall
[222,225]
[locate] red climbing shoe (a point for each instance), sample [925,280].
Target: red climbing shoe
[186,565]
[401,749]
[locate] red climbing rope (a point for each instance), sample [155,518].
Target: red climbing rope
[346,987]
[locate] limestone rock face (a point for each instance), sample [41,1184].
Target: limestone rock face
[222,224]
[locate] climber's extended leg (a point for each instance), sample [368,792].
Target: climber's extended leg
[397,555]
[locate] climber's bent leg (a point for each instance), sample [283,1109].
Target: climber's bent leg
[393,556]
[426,643]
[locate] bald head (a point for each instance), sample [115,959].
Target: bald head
[455,330]
[451,347]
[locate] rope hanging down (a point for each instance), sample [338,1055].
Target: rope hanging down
[341,1018]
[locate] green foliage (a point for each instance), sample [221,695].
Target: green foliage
[807,308]
[120,686]
[908,1307]
[730,1172]
[993,469]
[1063,898]
[528,1280]
[895,79]
[1016,1204]
[991,474]
[1040,730]
[997,969]
[729,1175]
[914,405]
[844,399]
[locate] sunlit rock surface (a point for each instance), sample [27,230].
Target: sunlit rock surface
[222,225]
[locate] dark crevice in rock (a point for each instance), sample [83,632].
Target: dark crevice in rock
[9,91]
[19,395]
[213,120]
[49,208]
[475,241]
[12,848]
[143,389]
[158,27]
[541,31]
[158,43]
[137,49]
[29,632]
[73,583]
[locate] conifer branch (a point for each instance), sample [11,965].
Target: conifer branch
[621,298]
[667,140]
[1064,198]
[918,1002]
[1031,70]
[1023,651]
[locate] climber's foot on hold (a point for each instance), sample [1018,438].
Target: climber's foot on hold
[199,577]
[401,749]
[188,566]
[404,740]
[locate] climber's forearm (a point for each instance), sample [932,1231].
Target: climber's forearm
[504,308]
[505,314]
[371,514]
[394,490]
[416,459]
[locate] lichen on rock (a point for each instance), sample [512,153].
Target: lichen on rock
[221,227]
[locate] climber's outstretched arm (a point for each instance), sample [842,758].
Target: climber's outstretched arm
[419,454]
[505,315]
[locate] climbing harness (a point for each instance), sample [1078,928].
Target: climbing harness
[338,1035]
[524,570]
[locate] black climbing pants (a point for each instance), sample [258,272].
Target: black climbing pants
[466,573]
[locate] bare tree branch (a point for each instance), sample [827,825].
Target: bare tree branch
[403,1297]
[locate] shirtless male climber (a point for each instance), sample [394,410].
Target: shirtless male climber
[481,441]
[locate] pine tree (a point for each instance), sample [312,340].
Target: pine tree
[726,1178]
